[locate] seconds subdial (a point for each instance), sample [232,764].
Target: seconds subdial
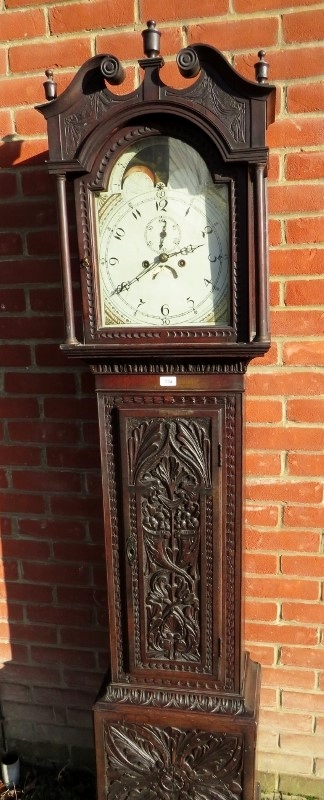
[162,233]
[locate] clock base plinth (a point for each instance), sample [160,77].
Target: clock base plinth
[159,743]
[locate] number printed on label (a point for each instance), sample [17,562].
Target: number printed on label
[168,380]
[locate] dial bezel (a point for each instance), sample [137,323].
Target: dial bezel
[98,180]
[189,206]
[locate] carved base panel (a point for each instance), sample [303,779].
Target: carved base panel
[166,754]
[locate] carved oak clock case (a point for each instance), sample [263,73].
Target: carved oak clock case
[170,206]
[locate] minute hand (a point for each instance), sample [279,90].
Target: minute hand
[126,284]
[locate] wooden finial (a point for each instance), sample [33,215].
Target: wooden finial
[151,40]
[50,86]
[261,68]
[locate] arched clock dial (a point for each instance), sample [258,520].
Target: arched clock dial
[162,229]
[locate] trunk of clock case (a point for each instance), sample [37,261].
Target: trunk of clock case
[178,707]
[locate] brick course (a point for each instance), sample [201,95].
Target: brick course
[53,639]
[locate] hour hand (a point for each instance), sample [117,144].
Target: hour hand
[162,234]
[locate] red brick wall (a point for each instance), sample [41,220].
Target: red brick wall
[52,601]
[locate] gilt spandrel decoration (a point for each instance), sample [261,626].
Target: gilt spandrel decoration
[172,764]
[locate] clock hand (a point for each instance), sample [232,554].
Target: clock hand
[163,234]
[164,257]
[185,250]
[124,286]
[159,261]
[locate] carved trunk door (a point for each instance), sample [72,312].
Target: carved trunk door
[171,473]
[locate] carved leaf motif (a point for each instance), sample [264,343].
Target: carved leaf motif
[173,625]
[213,703]
[171,473]
[75,125]
[229,109]
[195,448]
[144,442]
[172,552]
[169,464]
[171,764]
[231,112]
[158,554]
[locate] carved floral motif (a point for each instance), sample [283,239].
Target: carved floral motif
[183,701]
[169,464]
[230,110]
[76,124]
[171,764]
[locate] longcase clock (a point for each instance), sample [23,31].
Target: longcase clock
[170,207]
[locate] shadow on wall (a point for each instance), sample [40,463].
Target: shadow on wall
[53,624]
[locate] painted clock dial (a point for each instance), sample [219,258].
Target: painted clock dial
[163,244]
